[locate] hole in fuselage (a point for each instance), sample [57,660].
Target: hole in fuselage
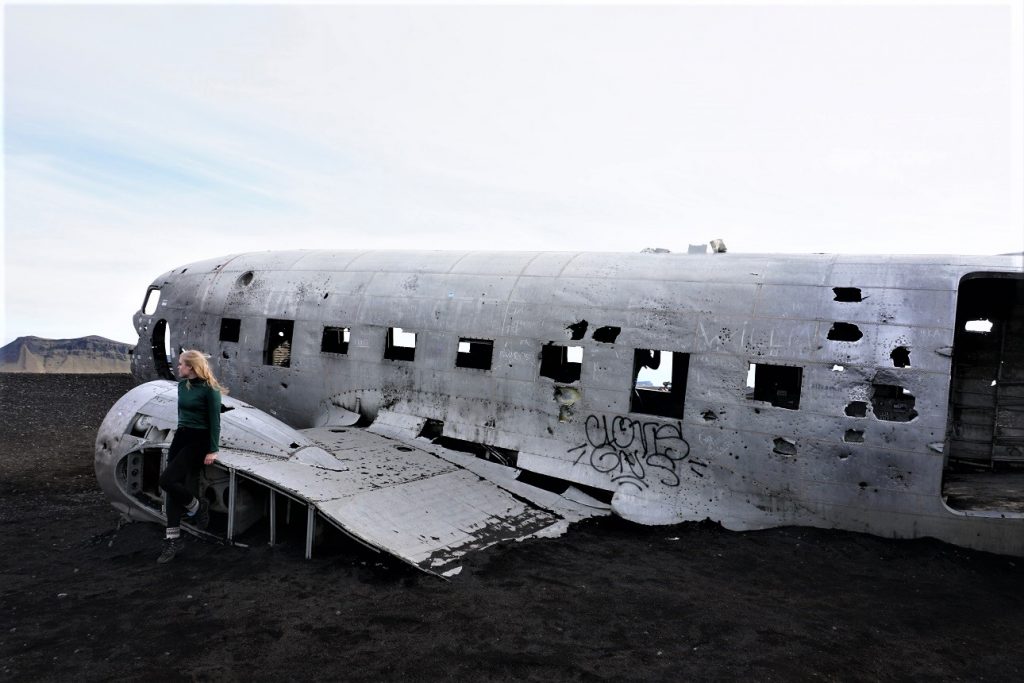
[846,332]
[848,294]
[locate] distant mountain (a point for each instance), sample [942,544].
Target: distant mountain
[83,355]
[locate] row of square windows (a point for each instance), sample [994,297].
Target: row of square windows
[658,378]
[558,362]
[652,394]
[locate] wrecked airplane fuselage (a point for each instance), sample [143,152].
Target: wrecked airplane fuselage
[756,391]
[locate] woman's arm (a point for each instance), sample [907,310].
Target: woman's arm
[213,406]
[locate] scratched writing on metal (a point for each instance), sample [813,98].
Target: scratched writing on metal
[769,340]
[631,451]
[706,439]
[517,356]
[515,317]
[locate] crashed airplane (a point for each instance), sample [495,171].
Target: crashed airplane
[431,403]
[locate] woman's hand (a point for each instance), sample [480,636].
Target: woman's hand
[210,457]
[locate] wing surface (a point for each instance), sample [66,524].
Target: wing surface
[406,500]
[383,485]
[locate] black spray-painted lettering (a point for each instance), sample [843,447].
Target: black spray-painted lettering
[634,452]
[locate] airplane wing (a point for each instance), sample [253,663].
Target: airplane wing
[383,485]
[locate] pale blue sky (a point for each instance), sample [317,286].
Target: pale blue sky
[141,138]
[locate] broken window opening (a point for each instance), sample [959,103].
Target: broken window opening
[230,329]
[779,385]
[857,409]
[979,326]
[578,329]
[334,340]
[854,436]
[149,305]
[847,294]
[900,357]
[892,403]
[245,279]
[474,353]
[659,382]
[847,332]
[161,344]
[561,363]
[783,446]
[607,334]
[401,345]
[277,347]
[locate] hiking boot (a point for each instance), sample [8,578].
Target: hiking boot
[200,519]
[172,546]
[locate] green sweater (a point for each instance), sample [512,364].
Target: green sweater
[199,408]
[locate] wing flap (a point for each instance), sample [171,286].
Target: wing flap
[397,497]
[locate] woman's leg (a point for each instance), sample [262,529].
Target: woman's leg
[185,454]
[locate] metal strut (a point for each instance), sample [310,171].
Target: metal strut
[310,527]
[273,517]
[231,503]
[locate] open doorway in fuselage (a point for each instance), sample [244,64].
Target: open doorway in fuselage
[984,446]
[161,343]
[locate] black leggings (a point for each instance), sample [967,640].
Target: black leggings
[188,450]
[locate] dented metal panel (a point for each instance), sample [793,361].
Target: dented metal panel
[433,522]
[391,495]
[851,456]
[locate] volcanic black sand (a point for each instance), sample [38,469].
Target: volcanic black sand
[83,598]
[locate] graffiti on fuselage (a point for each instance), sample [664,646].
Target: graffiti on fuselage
[637,453]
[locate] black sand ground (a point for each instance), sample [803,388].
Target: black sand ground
[81,598]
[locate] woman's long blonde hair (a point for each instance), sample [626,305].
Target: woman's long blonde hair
[197,361]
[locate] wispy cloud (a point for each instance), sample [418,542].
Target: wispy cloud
[141,138]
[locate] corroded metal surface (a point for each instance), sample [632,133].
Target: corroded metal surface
[860,352]
[393,496]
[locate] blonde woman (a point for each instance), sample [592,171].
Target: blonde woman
[195,443]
